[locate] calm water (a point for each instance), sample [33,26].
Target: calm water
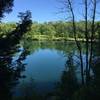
[44,65]
[42,70]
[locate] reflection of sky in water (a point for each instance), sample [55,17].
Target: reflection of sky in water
[45,67]
[17,54]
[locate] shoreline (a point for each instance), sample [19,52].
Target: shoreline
[48,38]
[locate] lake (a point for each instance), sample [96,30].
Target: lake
[42,70]
[44,65]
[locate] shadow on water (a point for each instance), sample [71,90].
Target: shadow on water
[69,83]
[69,88]
[10,71]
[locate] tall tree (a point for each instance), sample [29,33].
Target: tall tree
[89,8]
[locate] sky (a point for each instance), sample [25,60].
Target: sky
[42,10]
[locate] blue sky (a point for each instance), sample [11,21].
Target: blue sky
[42,10]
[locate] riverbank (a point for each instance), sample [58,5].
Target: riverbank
[54,38]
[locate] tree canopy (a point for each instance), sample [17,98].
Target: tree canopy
[5,7]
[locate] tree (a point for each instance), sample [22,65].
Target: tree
[90,7]
[5,7]
[10,71]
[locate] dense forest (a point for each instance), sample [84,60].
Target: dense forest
[59,30]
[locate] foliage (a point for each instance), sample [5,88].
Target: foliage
[5,7]
[10,71]
[49,31]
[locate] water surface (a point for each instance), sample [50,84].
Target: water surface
[45,63]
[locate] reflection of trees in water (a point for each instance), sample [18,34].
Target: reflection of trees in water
[96,49]
[69,83]
[70,88]
[28,91]
[10,71]
[65,47]
[9,74]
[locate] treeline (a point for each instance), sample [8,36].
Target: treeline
[6,28]
[51,30]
